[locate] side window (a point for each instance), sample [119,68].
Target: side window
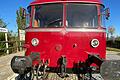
[27,20]
[102,16]
[28,17]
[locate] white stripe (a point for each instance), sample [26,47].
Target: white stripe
[43,30]
[67,30]
[84,30]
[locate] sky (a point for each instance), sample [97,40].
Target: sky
[8,13]
[114,19]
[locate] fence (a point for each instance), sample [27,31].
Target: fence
[13,46]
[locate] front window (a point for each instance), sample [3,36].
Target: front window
[77,15]
[82,15]
[48,16]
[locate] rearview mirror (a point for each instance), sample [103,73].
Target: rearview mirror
[107,13]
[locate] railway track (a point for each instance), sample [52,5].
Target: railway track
[54,76]
[51,76]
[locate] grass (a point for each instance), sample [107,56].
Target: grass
[113,49]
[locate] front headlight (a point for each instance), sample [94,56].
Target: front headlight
[35,41]
[95,43]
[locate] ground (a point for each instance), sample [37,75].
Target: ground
[7,74]
[5,70]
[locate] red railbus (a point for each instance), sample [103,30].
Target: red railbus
[63,36]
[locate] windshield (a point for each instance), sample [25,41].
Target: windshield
[77,15]
[82,15]
[48,16]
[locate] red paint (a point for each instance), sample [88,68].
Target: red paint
[53,1]
[49,40]
[52,45]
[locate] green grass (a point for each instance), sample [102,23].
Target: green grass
[112,49]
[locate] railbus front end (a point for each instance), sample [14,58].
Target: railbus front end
[63,36]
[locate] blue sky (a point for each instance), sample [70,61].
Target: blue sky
[114,19]
[8,12]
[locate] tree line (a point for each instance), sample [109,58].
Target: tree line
[13,37]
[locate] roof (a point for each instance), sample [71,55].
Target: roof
[54,1]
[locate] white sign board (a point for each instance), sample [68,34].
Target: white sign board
[22,35]
[6,37]
[3,30]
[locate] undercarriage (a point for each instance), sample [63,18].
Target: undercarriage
[83,70]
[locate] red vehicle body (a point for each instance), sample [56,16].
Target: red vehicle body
[59,43]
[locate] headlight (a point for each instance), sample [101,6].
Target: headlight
[95,43]
[35,41]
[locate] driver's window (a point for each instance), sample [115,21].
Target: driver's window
[48,16]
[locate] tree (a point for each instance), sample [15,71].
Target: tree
[111,30]
[2,23]
[11,37]
[21,21]
[2,35]
[21,18]
[118,38]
